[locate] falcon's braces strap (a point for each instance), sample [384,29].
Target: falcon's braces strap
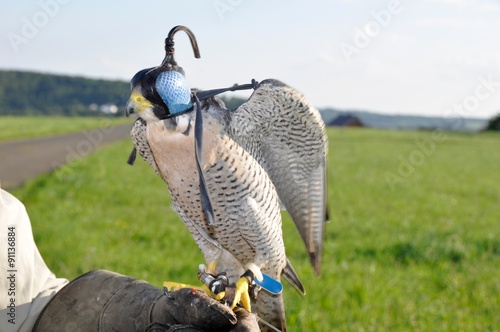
[203,95]
[206,203]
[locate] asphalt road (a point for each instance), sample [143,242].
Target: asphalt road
[26,159]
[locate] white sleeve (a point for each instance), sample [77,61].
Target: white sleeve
[26,283]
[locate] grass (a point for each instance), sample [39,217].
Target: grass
[24,127]
[419,253]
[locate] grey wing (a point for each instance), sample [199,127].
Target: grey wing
[139,138]
[286,134]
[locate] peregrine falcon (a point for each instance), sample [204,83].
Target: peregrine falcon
[229,172]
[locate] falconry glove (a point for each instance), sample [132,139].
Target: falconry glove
[102,301]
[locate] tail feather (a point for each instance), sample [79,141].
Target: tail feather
[291,276]
[271,309]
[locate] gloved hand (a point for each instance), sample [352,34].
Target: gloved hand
[106,301]
[193,310]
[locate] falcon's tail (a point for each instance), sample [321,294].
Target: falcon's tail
[271,310]
[290,276]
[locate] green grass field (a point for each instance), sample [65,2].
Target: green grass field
[23,127]
[413,245]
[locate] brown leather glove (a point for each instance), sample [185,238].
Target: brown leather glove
[106,301]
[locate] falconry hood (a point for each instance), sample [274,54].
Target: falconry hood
[166,85]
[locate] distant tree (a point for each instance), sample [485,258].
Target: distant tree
[494,123]
[27,93]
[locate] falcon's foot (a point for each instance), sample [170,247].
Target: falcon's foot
[171,286]
[246,283]
[242,294]
[213,285]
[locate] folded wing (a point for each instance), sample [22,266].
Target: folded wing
[286,134]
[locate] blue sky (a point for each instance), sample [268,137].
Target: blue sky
[428,57]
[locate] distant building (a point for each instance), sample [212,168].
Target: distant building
[93,107]
[109,108]
[346,120]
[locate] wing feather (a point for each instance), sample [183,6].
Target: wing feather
[286,134]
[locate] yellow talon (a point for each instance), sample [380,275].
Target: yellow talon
[177,285]
[171,286]
[242,294]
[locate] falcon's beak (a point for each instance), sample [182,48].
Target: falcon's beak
[129,109]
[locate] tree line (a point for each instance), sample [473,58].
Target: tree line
[27,93]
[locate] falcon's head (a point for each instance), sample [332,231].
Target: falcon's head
[160,93]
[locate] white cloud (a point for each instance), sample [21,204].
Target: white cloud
[449,22]
[461,4]
[398,38]
[490,7]
[331,59]
[484,6]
